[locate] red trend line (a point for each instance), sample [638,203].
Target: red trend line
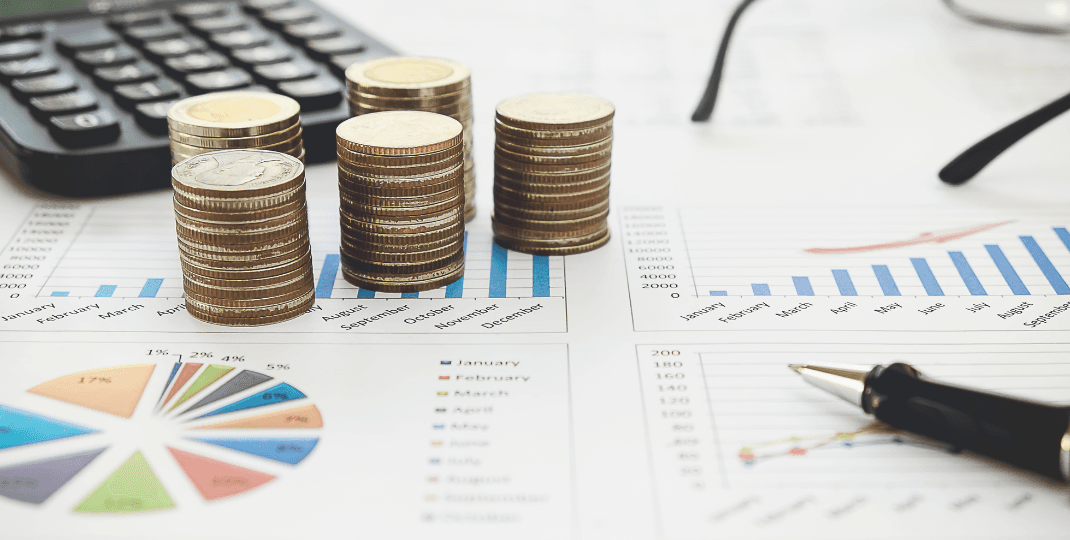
[923,238]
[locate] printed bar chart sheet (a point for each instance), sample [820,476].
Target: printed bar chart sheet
[121,263]
[852,268]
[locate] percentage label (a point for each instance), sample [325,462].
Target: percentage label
[201,355]
[93,380]
[298,419]
[158,352]
[282,448]
[232,359]
[274,395]
[278,366]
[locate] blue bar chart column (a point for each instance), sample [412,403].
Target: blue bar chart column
[760,289]
[844,283]
[966,272]
[499,268]
[456,289]
[887,282]
[152,286]
[328,275]
[802,286]
[928,279]
[1050,273]
[540,276]
[105,291]
[1005,268]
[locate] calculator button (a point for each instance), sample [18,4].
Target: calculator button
[112,56]
[153,116]
[200,10]
[141,35]
[242,39]
[175,47]
[216,81]
[314,94]
[123,21]
[219,25]
[86,41]
[17,50]
[322,49]
[134,73]
[264,55]
[300,33]
[196,63]
[85,129]
[57,83]
[278,18]
[340,63]
[30,67]
[129,95]
[286,71]
[257,6]
[22,31]
[74,102]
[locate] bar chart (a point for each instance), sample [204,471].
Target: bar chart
[125,258]
[946,259]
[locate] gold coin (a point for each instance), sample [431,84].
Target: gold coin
[353,180]
[535,249]
[254,236]
[400,236]
[399,189]
[210,270]
[399,133]
[364,168]
[521,233]
[554,111]
[354,263]
[238,217]
[237,300]
[233,114]
[409,285]
[577,160]
[401,76]
[414,256]
[550,212]
[503,162]
[552,178]
[364,241]
[404,104]
[570,137]
[298,212]
[286,146]
[452,191]
[524,146]
[250,284]
[250,321]
[536,225]
[401,224]
[217,257]
[222,143]
[459,111]
[440,158]
[469,213]
[522,198]
[237,174]
[551,189]
[355,208]
[284,306]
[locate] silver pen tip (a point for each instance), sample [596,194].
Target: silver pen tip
[797,368]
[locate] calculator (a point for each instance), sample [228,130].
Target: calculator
[86,84]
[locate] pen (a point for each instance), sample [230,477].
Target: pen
[1022,433]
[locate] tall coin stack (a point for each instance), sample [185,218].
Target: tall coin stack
[228,120]
[400,178]
[418,84]
[551,173]
[243,237]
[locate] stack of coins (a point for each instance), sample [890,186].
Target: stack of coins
[551,173]
[418,84]
[243,237]
[228,120]
[400,179]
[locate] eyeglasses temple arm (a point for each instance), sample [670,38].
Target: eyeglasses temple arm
[705,106]
[978,156]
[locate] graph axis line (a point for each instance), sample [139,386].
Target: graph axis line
[713,425]
[687,251]
[85,222]
[659,519]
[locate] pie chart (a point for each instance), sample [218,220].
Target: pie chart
[223,408]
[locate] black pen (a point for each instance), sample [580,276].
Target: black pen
[1027,434]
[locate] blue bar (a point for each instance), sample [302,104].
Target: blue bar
[884,277]
[105,291]
[365,293]
[60,293]
[760,289]
[966,271]
[456,289]
[1042,260]
[718,293]
[802,286]
[844,283]
[540,276]
[1005,268]
[1063,235]
[499,257]
[410,295]
[152,286]
[328,274]
[928,279]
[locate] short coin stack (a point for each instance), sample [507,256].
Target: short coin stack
[400,177]
[551,173]
[230,120]
[418,84]
[243,237]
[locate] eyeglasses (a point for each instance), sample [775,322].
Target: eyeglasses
[1032,16]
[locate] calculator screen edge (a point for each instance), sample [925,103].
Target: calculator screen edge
[16,11]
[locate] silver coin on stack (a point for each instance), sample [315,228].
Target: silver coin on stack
[419,84]
[230,120]
[243,241]
[551,173]
[400,179]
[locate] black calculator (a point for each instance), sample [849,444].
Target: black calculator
[86,84]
